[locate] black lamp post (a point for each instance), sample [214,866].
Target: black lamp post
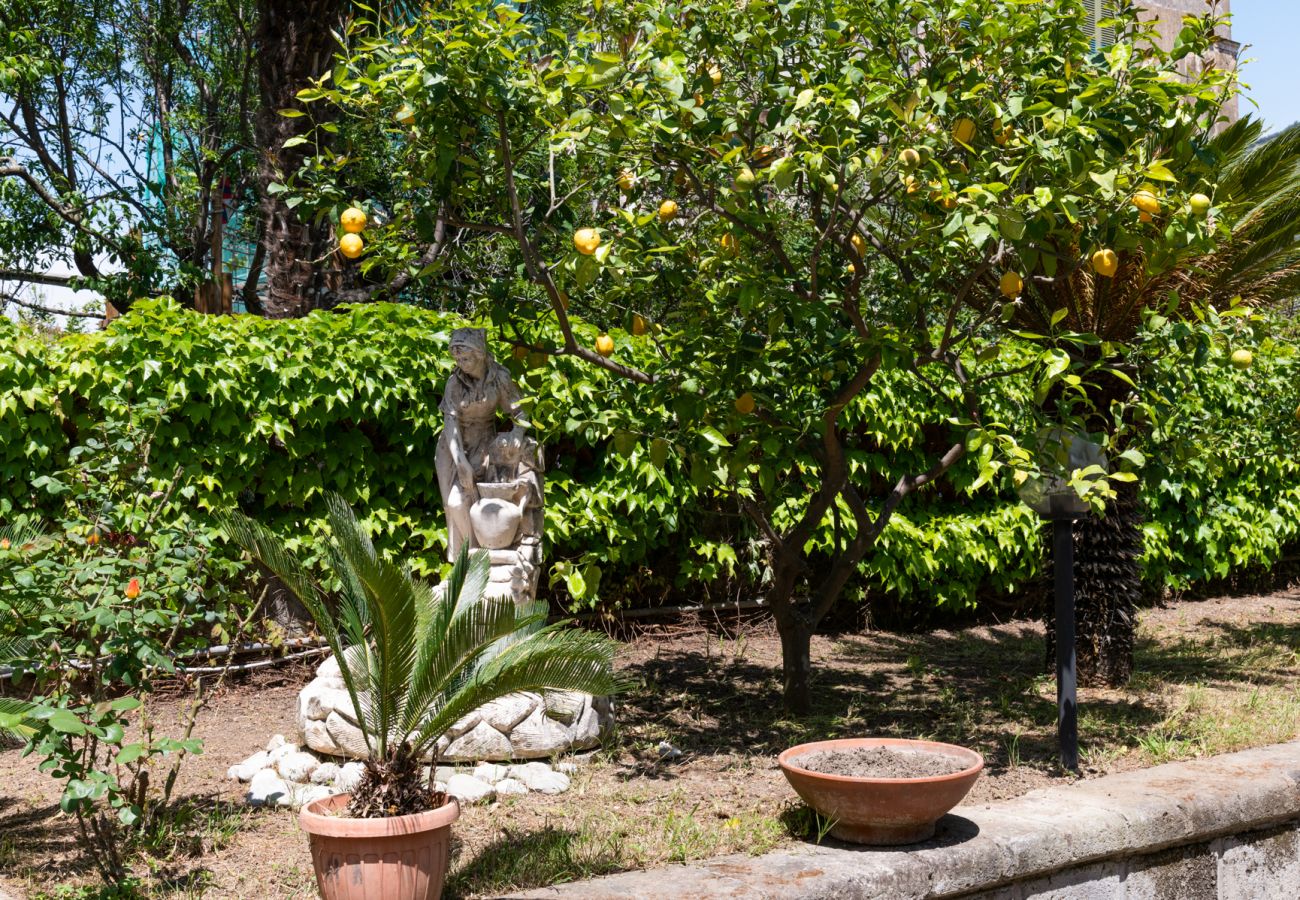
[1061,505]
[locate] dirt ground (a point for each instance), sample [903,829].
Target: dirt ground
[1214,676]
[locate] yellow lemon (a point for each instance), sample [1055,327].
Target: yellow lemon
[1241,359]
[639,326]
[667,210]
[351,245]
[353,220]
[909,158]
[604,345]
[729,244]
[859,244]
[1105,263]
[744,403]
[745,179]
[1011,284]
[1199,203]
[626,180]
[1146,202]
[586,240]
[715,74]
[964,130]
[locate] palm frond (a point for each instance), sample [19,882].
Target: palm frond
[15,716]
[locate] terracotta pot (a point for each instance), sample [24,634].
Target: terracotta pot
[884,811]
[399,858]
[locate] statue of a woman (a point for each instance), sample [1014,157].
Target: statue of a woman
[478,388]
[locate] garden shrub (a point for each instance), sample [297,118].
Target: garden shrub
[269,415]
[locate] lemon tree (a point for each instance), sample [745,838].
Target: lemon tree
[855,189]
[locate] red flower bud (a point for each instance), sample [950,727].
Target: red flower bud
[133,589]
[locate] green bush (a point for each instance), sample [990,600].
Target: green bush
[270,415]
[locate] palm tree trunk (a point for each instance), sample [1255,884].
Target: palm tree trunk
[295,45]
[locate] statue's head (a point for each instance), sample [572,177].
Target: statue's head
[469,350]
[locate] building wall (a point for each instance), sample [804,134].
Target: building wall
[1168,17]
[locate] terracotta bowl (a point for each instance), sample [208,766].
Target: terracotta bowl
[883,811]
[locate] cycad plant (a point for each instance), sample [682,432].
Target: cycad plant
[415,659]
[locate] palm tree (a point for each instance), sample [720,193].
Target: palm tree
[1258,186]
[415,658]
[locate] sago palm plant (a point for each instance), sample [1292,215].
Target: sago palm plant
[415,659]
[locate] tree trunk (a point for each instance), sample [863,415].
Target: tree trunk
[796,664]
[294,45]
[1107,588]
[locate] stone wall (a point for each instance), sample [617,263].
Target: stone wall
[1224,828]
[1168,18]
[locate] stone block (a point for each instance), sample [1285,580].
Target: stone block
[349,777]
[481,742]
[345,735]
[325,773]
[316,736]
[318,699]
[1183,873]
[1260,866]
[509,787]
[538,736]
[506,712]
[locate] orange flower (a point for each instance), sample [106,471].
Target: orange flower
[93,538]
[133,589]
[4,543]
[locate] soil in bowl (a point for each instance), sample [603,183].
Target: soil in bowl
[879,762]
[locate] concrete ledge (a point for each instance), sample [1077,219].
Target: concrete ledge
[1228,826]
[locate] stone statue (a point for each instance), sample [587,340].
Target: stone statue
[491,481]
[491,486]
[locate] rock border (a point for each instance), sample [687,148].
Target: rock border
[286,774]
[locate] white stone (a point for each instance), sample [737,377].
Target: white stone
[469,790]
[567,767]
[349,777]
[537,737]
[297,766]
[317,700]
[325,773]
[329,668]
[443,773]
[509,787]
[541,778]
[266,788]
[282,751]
[490,772]
[481,742]
[301,794]
[276,741]
[506,712]
[245,770]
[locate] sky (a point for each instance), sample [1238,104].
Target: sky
[1269,31]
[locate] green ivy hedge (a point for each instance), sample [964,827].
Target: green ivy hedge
[269,415]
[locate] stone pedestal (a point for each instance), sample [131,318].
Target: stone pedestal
[517,726]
